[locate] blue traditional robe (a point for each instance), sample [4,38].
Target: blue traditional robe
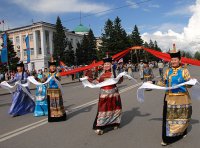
[41,108]
[21,102]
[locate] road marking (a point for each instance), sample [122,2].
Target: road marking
[34,125]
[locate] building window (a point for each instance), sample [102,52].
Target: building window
[32,51]
[31,37]
[11,39]
[40,51]
[18,53]
[17,40]
[23,38]
[32,65]
[25,53]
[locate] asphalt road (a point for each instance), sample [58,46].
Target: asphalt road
[140,126]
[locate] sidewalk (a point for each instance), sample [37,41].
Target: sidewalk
[64,81]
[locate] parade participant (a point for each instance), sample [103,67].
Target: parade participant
[130,68]
[177,108]
[21,102]
[109,105]
[147,72]
[56,111]
[141,66]
[41,108]
[160,67]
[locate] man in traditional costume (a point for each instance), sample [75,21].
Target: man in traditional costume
[56,111]
[41,108]
[21,102]
[147,72]
[109,105]
[177,108]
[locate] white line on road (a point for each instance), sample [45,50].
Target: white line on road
[29,127]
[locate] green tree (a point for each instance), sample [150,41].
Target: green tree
[136,39]
[188,55]
[114,39]
[69,55]
[59,40]
[197,55]
[107,38]
[92,51]
[12,57]
[79,55]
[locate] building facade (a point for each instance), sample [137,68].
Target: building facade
[41,43]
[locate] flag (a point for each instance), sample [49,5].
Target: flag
[4,51]
[28,49]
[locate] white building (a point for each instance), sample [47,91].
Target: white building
[41,43]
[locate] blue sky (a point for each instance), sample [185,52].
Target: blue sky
[150,16]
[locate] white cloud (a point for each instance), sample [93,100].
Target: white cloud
[132,4]
[61,6]
[154,6]
[188,39]
[185,10]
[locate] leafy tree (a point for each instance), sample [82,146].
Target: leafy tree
[197,55]
[69,55]
[92,51]
[59,40]
[12,57]
[79,54]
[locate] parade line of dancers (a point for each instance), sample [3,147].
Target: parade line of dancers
[177,108]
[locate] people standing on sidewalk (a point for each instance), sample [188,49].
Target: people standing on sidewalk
[141,67]
[56,110]
[21,102]
[160,67]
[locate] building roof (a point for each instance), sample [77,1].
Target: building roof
[33,25]
[81,28]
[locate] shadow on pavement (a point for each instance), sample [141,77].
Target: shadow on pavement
[71,114]
[128,116]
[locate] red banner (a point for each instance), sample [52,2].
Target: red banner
[158,54]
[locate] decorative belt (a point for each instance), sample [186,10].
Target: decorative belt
[176,94]
[108,87]
[147,76]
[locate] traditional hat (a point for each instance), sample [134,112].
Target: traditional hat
[174,53]
[20,64]
[107,58]
[52,62]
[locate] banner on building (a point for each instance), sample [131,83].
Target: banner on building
[28,49]
[4,51]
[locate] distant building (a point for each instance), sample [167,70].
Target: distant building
[81,29]
[41,42]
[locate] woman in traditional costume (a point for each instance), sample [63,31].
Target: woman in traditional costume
[41,108]
[21,102]
[56,111]
[109,105]
[177,108]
